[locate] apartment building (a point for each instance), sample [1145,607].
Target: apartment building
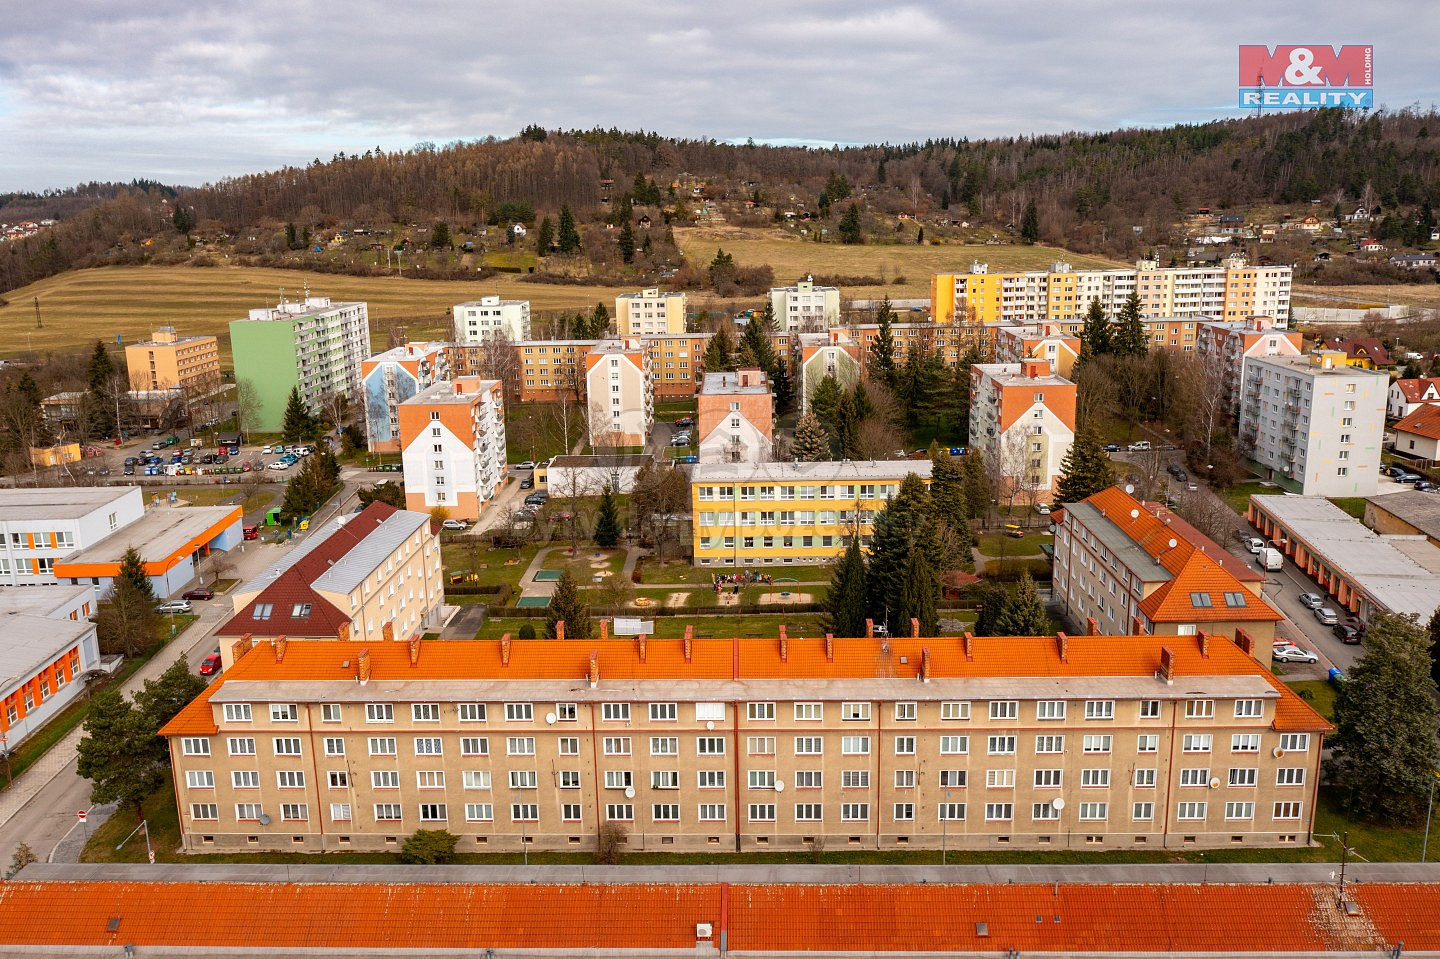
[619,388]
[315,345]
[391,378]
[452,437]
[805,306]
[779,514]
[1040,341]
[372,577]
[831,353]
[949,341]
[676,360]
[736,417]
[489,318]
[1225,345]
[551,370]
[168,360]
[649,313]
[48,643]
[1313,424]
[749,744]
[1022,417]
[1127,566]
[1232,291]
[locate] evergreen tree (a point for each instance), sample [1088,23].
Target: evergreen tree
[850,226]
[860,404]
[1384,750]
[949,500]
[183,221]
[906,525]
[825,403]
[882,360]
[1023,613]
[720,352]
[440,236]
[1435,646]
[544,237]
[115,753]
[920,238]
[847,426]
[599,322]
[919,593]
[993,598]
[755,348]
[607,521]
[567,236]
[1086,469]
[1131,337]
[812,443]
[100,410]
[845,603]
[162,698]
[298,423]
[627,242]
[566,605]
[780,386]
[386,492]
[977,485]
[132,571]
[1096,337]
[125,620]
[1030,224]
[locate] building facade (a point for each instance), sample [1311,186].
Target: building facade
[1408,395]
[736,417]
[649,313]
[676,363]
[48,644]
[39,527]
[780,514]
[391,378]
[171,361]
[1022,417]
[452,437]
[1043,341]
[831,353]
[620,392]
[316,346]
[748,745]
[1313,424]
[549,371]
[805,306]
[1224,345]
[489,318]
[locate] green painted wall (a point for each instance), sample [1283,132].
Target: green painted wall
[265,356]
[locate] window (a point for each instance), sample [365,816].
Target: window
[855,779]
[387,812]
[954,745]
[338,779]
[760,711]
[1240,776]
[379,713]
[615,745]
[200,746]
[660,779]
[855,712]
[762,812]
[1236,600]
[712,812]
[1195,776]
[1004,709]
[1042,811]
[663,712]
[905,712]
[1249,708]
[710,779]
[1149,709]
[520,746]
[294,812]
[1190,811]
[287,746]
[953,710]
[237,712]
[570,812]
[809,712]
[1195,743]
[1200,600]
[1245,743]
[1050,709]
[425,712]
[1000,745]
[999,779]
[1100,709]
[428,746]
[999,811]
[1095,778]
[566,712]
[384,779]
[239,746]
[290,779]
[855,745]
[1144,779]
[904,779]
[1142,811]
[474,746]
[200,779]
[1094,811]
[245,779]
[615,712]
[665,812]
[524,812]
[709,712]
[528,779]
[619,812]
[809,745]
[1286,810]
[664,745]
[1239,810]
[855,812]
[479,812]
[476,779]
[1096,744]
[904,745]
[204,811]
[809,812]
[710,745]
[248,811]
[519,712]
[330,712]
[1049,744]
[1199,708]
[569,745]
[1295,742]
[614,779]
[952,811]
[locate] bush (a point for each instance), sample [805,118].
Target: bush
[526,632]
[608,844]
[429,847]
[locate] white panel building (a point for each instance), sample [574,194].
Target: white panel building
[805,306]
[477,321]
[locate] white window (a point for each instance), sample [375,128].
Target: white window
[809,745]
[479,812]
[615,712]
[954,745]
[665,812]
[330,712]
[1094,811]
[1000,745]
[334,746]
[245,779]
[809,712]
[855,812]
[204,811]
[294,811]
[1249,708]
[1049,778]
[663,779]
[809,812]
[1095,778]
[1100,709]
[663,712]
[1195,743]
[1096,744]
[999,779]
[200,779]
[429,746]
[1195,776]
[290,779]
[520,712]
[476,778]
[569,745]
[999,811]
[709,712]
[248,811]
[809,779]
[855,745]
[710,779]
[760,711]
[955,710]
[1295,742]
[239,746]
[855,779]
[474,746]
[904,779]
[567,712]
[1042,811]
[664,745]
[1243,776]
[200,746]
[762,812]
[1050,709]
[904,745]
[1239,810]
[1190,811]
[619,812]
[1149,709]
[615,745]
[569,779]
[1287,810]
[712,812]
[904,811]
[384,779]
[1199,708]
[710,745]
[287,745]
[379,713]
[1142,811]
[1290,776]
[905,712]
[425,712]
[1049,744]
[524,812]
[1144,778]
[1147,743]
[855,711]
[952,811]
[1245,743]
[520,745]
[1004,709]
[529,778]
[237,712]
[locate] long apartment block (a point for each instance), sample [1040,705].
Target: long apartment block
[963,742]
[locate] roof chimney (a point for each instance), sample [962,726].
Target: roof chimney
[505,650]
[784,647]
[640,646]
[1063,642]
[925,664]
[364,659]
[594,668]
[914,628]
[969,646]
[604,629]
[869,629]
[829,648]
[1204,638]
[278,645]
[240,647]
[342,632]
[1167,665]
[1092,628]
[1137,628]
[414,651]
[560,629]
[1245,641]
[387,632]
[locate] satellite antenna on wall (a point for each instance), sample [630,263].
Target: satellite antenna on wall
[1130,489]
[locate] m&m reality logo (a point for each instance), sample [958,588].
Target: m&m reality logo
[1307,76]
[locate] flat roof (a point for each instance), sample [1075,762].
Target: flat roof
[29,643]
[1012,374]
[163,536]
[444,391]
[716,384]
[1416,507]
[836,470]
[40,600]
[48,502]
[1302,365]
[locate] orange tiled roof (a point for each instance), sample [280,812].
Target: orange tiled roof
[1297,919]
[1421,421]
[1200,576]
[724,659]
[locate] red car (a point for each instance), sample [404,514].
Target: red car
[211,666]
[199,592]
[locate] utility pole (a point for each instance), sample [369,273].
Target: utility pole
[39,323]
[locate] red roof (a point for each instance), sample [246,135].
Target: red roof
[291,591]
[1420,389]
[1363,347]
[1424,421]
[378,918]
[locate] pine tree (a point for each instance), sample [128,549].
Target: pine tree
[544,237]
[627,242]
[906,525]
[566,605]
[845,603]
[567,236]
[183,221]
[115,754]
[755,348]
[1096,337]
[298,424]
[1022,613]
[607,521]
[1384,751]
[781,388]
[882,359]
[948,497]
[100,416]
[1086,469]
[440,235]
[720,352]
[132,570]
[977,485]
[847,425]
[812,443]
[919,593]
[825,403]
[850,231]
[599,322]
[1030,224]
[1131,337]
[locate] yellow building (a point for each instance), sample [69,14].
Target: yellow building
[191,363]
[778,514]
[649,312]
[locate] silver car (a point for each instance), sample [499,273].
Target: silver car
[1327,616]
[1312,600]
[1293,654]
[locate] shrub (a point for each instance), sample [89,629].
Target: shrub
[608,843]
[526,631]
[429,847]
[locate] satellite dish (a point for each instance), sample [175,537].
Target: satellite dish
[1134,513]
[1214,782]
[1173,542]
[710,724]
[1130,488]
[264,819]
[1057,804]
[550,718]
[630,791]
[779,786]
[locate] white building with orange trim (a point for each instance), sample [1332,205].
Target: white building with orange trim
[47,644]
[1022,417]
[452,438]
[620,392]
[829,353]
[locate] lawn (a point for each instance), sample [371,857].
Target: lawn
[998,544]
[1319,693]
[722,626]
[456,558]
[535,432]
[1238,496]
[1354,505]
[676,572]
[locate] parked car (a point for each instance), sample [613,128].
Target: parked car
[1404,477]
[174,606]
[959,451]
[537,499]
[1112,447]
[685,421]
[456,524]
[1327,616]
[1346,633]
[1290,653]
[1390,471]
[211,666]
[1254,544]
[251,532]
[528,483]
[1042,509]
[1177,472]
[199,592]
[1423,485]
[1139,447]
[1312,600]
[1014,531]
[527,465]
[279,465]
[680,439]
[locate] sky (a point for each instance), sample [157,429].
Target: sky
[193,91]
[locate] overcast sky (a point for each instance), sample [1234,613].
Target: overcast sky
[190,91]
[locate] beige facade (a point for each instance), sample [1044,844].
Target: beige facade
[649,313]
[189,363]
[969,743]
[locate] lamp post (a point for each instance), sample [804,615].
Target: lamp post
[5,751]
[1424,845]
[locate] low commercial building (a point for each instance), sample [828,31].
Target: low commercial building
[452,437]
[749,744]
[173,541]
[490,318]
[589,475]
[736,417]
[781,514]
[619,390]
[171,361]
[47,644]
[1127,566]
[42,527]
[805,306]
[1362,572]
[1412,513]
[372,577]
[650,313]
[391,378]
[1022,417]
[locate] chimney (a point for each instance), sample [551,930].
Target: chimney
[414,651]
[364,659]
[342,632]
[1063,642]
[640,646]
[969,646]
[1204,638]
[1092,628]
[1245,641]
[505,650]
[1137,628]
[604,629]
[1167,665]
[387,632]
[784,646]
[925,664]
[914,628]
[278,645]
[594,668]
[239,648]
[689,640]
[560,629]
[869,629]
[829,648]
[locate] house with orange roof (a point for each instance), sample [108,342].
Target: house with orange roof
[1022,417]
[1123,565]
[1417,435]
[738,745]
[1410,393]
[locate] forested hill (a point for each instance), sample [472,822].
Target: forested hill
[1089,189]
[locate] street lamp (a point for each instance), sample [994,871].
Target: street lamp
[5,751]
[1424,846]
